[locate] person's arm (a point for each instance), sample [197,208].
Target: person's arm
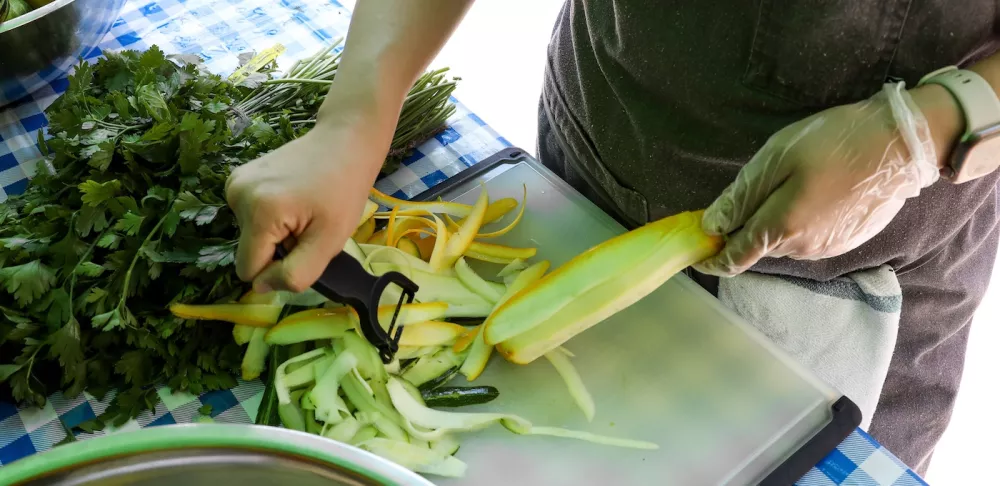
[824,185]
[389,44]
[312,190]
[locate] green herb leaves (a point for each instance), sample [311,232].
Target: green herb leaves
[94,193]
[152,103]
[28,281]
[129,224]
[195,132]
[190,208]
[215,256]
[132,219]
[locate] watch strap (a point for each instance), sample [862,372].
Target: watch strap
[975,96]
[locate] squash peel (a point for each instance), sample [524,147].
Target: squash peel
[490,291]
[243,333]
[451,208]
[431,333]
[310,325]
[498,209]
[395,256]
[492,253]
[368,212]
[441,237]
[390,227]
[425,244]
[403,224]
[365,231]
[414,313]
[478,357]
[254,315]
[494,212]
[465,340]
[436,287]
[480,352]
[523,280]
[517,219]
[459,242]
[328,323]
[597,284]
[423,240]
[255,358]
[408,246]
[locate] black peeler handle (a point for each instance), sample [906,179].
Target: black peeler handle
[345,281]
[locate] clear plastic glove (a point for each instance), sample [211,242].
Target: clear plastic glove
[824,185]
[311,190]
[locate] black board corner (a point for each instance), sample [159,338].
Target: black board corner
[509,155]
[846,416]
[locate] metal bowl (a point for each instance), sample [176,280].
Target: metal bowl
[207,455]
[41,46]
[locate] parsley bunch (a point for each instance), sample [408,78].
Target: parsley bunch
[126,217]
[293,101]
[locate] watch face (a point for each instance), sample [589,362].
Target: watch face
[978,154]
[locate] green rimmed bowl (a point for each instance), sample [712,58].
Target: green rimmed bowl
[207,455]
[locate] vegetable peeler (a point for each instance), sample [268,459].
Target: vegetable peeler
[345,281]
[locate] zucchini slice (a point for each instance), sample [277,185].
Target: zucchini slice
[577,390]
[490,291]
[428,368]
[459,396]
[439,422]
[418,459]
[255,357]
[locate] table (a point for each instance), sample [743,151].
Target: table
[218,31]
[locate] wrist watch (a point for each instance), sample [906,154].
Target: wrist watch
[977,152]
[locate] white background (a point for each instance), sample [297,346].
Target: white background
[500,50]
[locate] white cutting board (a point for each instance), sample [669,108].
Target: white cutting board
[676,368]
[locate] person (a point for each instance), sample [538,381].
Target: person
[789,121]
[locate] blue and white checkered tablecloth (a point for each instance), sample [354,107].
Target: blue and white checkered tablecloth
[218,31]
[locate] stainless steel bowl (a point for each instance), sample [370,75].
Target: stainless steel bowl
[207,455]
[42,45]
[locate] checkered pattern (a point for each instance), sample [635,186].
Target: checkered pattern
[860,460]
[218,31]
[27,431]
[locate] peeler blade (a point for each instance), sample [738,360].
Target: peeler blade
[345,281]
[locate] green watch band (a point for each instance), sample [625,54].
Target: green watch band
[976,97]
[980,108]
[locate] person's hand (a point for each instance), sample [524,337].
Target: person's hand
[312,191]
[824,185]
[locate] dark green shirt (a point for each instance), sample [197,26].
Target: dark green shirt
[656,105]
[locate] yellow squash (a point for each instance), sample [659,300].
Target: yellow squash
[597,284]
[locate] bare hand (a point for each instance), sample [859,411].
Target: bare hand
[312,190]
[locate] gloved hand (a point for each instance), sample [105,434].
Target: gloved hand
[311,190]
[824,185]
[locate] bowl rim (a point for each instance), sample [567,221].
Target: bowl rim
[34,15]
[215,435]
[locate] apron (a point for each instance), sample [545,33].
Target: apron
[651,108]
